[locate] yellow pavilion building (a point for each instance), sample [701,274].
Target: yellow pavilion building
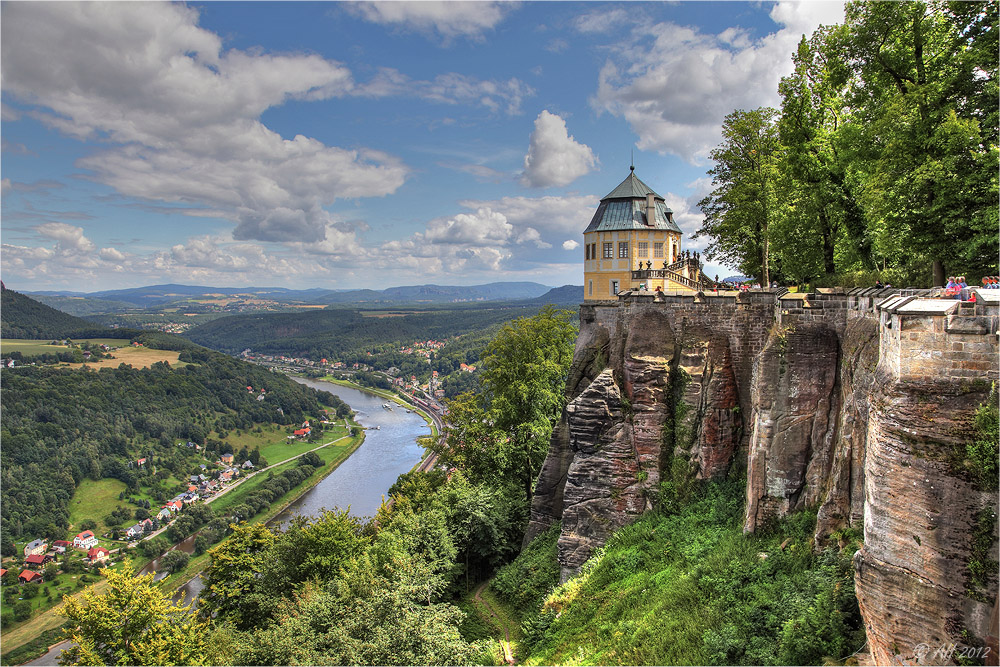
[633,243]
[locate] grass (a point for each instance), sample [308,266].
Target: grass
[137,357]
[690,588]
[94,500]
[32,649]
[285,449]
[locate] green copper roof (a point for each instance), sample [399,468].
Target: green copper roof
[625,208]
[631,187]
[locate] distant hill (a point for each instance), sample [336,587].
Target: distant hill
[336,332]
[439,294]
[155,295]
[159,295]
[23,317]
[567,295]
[81,306]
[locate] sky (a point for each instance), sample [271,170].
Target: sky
[359,145]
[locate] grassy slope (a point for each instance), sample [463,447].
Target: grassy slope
[690,588]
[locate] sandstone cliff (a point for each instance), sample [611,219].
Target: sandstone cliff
[856,405]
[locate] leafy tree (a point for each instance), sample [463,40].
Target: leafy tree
[503,432]
[233,588]
[316,548]
[924,91]
[134,623]
[22,611]
[742,203]
[174,561]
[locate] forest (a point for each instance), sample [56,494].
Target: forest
[61,426]
[881,163]
[344,334]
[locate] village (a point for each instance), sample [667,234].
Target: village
[74,562]
[432,388]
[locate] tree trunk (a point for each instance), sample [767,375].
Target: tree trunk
[938,277]
[829,245]
[765,273]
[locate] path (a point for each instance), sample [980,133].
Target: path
[505,642]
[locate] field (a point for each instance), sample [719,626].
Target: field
[94,500]
[137,357]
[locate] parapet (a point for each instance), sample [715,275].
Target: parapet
[924,338]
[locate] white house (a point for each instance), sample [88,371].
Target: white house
[85,540]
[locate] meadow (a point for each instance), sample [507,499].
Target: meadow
[137,357]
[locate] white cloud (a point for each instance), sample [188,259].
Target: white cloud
[450,88]
[68,237]
[531,235]
[111,255]
[482,227]
[602,20]
[570,244]
[555,215]
[674,84]
[185,113]
[435,17]
[554,157]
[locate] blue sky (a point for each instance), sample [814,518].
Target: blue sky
[345,145]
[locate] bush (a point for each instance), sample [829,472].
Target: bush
[982,452]
[530,577]
[174,561]
[22,611]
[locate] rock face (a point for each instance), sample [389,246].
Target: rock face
[796,398]
[920,513]
[827,402]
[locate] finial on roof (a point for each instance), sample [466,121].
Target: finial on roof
[632,161]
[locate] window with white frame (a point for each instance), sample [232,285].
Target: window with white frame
[658,250]
[643,249]
[623,250]
[609,251]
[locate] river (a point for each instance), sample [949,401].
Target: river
[360,482]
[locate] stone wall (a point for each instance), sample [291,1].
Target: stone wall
[842,402]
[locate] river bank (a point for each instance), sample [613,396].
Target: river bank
[383,393]
[357,477]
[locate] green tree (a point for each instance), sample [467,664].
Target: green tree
[22,611]
[234,589]
[133,623]
[742,203]
[524,372]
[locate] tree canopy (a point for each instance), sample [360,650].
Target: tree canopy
[884,153]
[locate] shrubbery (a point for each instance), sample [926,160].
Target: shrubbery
[690,588]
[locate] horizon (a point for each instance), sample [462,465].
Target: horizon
[360,145]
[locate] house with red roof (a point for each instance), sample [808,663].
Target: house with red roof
[85,540]
[302,432]
[36,560]
[27,576]
[98,555]
[141,462]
